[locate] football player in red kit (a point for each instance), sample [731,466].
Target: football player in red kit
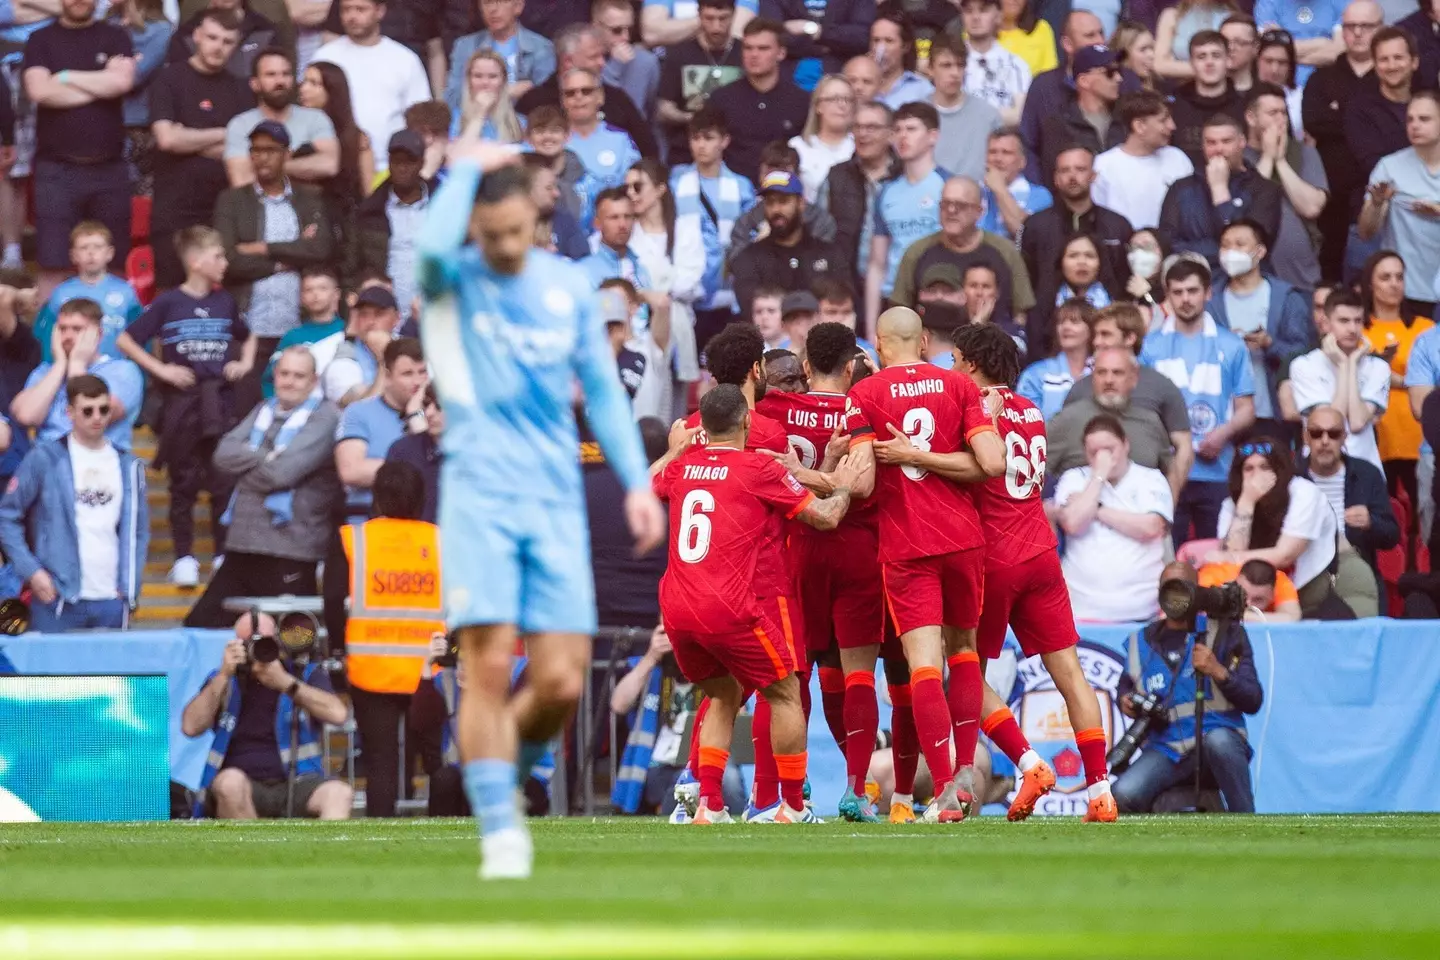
[837,574]
[724,637]
[735,356]
[1024,587]
[931,543]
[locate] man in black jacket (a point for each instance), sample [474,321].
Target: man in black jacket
[386,223]
[788,257]
[1223,189]
[582,47]
[1328,94]
[849,190]
[1043,236]
[1097,87]
[1370,524]
[1211,92]
[1375,117]
[256,33]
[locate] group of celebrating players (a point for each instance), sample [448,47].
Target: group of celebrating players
[893,513]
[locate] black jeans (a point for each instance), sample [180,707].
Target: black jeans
[378,717]
[1199,505]
[249,575]
[189,474]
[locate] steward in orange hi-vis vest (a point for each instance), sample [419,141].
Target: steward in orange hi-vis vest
[396,602]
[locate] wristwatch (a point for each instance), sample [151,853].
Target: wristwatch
[811,28]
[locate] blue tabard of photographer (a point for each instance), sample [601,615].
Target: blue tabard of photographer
[1171,661]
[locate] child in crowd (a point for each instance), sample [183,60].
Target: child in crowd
[547,136]
[765,311]
[204,348]
[431,119]
[718,196]
[320,323]
[643,358]
[92,248]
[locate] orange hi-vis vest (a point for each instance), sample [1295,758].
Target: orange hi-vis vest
[396,602]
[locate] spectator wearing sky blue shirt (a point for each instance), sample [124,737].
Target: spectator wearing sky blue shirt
[369,427]
[605,151]
[907,207]
[1422,376]
[892,46]
[529,57]
[1009,198]
[1211,367]
[91,251]
[614,223]
[42,404]
[1402,202]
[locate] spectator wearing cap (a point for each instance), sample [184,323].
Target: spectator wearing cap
[959,244]
[788,256]
[778,157]
[1224,188]
[272,230]
[77,72]
[369,427]
[799,312]
[387,222]
[763,105]
[354,373]
[1009,197]
[1086,121]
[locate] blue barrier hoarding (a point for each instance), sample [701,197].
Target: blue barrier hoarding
[84,747]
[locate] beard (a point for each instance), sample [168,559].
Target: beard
[1111,401]
[760,387]
[782,227]
[277,99]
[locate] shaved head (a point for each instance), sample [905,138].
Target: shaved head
[899,323]
[1325,417]
[1179,570]
[244,631]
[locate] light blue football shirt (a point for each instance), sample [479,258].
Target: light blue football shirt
[117,299]
[905,212]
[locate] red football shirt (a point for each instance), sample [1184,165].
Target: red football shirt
[719,499]
[765,434]
[921,514]
[809,420]
[1010,508]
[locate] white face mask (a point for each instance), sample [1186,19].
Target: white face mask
[1236,263]
[1143,263]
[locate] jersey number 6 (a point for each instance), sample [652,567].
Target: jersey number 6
[1024,465]
[694,539]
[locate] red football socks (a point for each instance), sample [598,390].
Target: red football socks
[832,701]
[932,723]
[767,777]
[1092,753]
[1002,729]
[792,778]
[862,719]
[905,745]
[966,696]
[712,774]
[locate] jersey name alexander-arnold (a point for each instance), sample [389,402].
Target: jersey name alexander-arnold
[916,388]
[1028,415]
[696,471]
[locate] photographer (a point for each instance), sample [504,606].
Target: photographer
[1164,660]
[249,703]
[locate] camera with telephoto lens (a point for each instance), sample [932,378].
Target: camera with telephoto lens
[261,649]
[1181,600]
[1150,714]
[451,657]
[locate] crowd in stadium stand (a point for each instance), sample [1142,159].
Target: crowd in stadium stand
[1213,231]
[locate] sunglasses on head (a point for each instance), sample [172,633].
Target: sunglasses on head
[1334,433]
[99,410]
[1262,447]
[1276,36]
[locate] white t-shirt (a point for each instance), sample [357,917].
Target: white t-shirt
[1135,187]
[1310,518]
[385,79]
[98,492]
[816,159]
[1113,577]
[1312,381]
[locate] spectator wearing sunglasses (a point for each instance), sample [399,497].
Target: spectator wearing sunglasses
[1080,121]
[74,522]
[1356,492]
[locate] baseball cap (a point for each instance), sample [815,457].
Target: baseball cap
[1093,57]
[779,181]
[799,301]
[946,273]
[273,129]
[377,297]
[614,307]
[407,141]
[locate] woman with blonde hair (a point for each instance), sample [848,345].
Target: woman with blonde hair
[1175,28]
[485,106]
[826,139]
[1135,45]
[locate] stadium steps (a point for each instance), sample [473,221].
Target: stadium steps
[162,604]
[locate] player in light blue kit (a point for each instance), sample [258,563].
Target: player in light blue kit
[507,331]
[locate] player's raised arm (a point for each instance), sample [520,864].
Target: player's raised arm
[447,220]
[610,416]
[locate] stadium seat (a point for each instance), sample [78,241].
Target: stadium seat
[140,220]
[1391,566]
[140,272]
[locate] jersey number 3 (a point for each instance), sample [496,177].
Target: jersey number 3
[919,426]
[1024,465]
[693,541]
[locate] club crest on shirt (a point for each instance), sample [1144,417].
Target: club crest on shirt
[606,158]
[559,301]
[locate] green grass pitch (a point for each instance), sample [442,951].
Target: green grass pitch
[1264,887]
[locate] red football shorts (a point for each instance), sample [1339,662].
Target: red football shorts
[756,657]
[1031,598]
[838,588]
[936,591]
